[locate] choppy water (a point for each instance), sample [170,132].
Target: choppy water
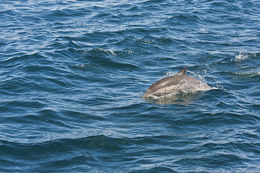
[72,74]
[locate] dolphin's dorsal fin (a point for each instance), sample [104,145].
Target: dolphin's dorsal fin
[182,72]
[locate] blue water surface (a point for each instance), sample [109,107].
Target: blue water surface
[72,74]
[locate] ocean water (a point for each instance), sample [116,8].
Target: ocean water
[72,74]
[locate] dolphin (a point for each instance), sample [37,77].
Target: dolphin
[173,85]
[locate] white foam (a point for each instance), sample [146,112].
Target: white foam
[106,51]
[167,74]
[241,56]
[251,74]
[200,77]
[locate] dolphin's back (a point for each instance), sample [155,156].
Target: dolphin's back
[173,84]
[165,82]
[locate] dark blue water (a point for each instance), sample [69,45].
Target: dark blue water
[72,74]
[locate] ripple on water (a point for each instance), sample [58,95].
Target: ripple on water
[73,73]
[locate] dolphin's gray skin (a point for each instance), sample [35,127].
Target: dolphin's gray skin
[175,84]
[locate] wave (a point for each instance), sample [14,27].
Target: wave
[103,58]
[60,145]
[247,75]
[98,150]
[72,73]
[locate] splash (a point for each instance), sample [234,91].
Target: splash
[243,55]
[106,51]
[198,76]
[167,74]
